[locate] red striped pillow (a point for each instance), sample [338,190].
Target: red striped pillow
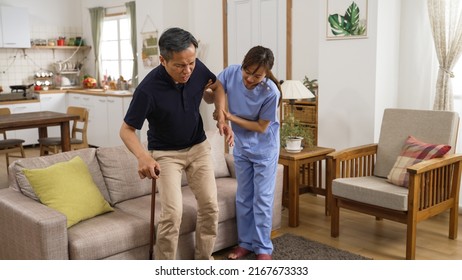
[414,151]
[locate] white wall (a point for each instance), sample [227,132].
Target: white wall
[418,65]
[347,83]
[207,27]
[387,57]
[306,18]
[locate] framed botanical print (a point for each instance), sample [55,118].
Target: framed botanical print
[346,19]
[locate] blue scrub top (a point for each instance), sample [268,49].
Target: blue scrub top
[258,103]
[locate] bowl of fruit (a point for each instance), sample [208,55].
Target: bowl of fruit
[89,82]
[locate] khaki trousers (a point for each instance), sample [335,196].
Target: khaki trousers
[196,161]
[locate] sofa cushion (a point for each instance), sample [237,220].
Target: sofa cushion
[119,168]
[141,207]
[226,194]
[413,151]
[371,190]
[87,155]
[107,235]
[68,188]
[217,143]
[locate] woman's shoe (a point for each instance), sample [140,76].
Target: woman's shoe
[238,253]
[264,257]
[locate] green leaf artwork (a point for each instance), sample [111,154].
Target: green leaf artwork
[348,24]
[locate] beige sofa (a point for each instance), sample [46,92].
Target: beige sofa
[31,230]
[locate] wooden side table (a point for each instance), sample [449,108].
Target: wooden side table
[310,158]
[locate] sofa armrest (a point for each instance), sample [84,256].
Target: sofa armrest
[30,230]
[277,204]
[230,163]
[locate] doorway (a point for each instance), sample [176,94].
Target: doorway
[247,23]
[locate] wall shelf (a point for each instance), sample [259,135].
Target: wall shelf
[61,47]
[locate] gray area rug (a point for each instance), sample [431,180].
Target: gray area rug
[293,247]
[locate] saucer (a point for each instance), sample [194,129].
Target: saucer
[293,151]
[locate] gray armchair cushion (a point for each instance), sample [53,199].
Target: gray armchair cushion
[426,125]
[371,190]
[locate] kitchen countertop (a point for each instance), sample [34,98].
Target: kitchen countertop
[15,98]
[99,92]
[18,98]
[102,92]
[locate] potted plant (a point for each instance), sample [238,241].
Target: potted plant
[293,133]
[312,85]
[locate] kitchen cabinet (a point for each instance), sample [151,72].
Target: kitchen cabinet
[98,120]
[116,109]
[30,135]
[53,102]
[106,114]
[96,106]
[75,99]
[14,27]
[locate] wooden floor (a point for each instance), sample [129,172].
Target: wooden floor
[379,240]
[361,234]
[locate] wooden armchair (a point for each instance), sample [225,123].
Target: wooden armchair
[357,177]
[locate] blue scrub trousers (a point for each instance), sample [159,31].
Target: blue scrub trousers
[256,179]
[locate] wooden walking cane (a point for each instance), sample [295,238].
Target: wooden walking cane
[153,212]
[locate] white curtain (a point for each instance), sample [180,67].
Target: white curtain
[446,25]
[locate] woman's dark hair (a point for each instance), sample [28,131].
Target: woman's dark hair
[262,57]
[175,40]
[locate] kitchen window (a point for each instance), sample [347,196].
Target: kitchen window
[116,50]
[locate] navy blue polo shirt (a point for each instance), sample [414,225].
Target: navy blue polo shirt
[172,110]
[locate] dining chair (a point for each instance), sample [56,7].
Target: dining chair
[12,148]
[410,175]
[79,127]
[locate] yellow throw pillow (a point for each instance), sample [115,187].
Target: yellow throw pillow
[68,188]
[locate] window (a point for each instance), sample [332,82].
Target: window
[116,50]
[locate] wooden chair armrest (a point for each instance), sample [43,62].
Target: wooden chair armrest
[354,152]
[433,184]
[427,165]
[352,162]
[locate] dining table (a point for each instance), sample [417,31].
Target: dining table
[41,120]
